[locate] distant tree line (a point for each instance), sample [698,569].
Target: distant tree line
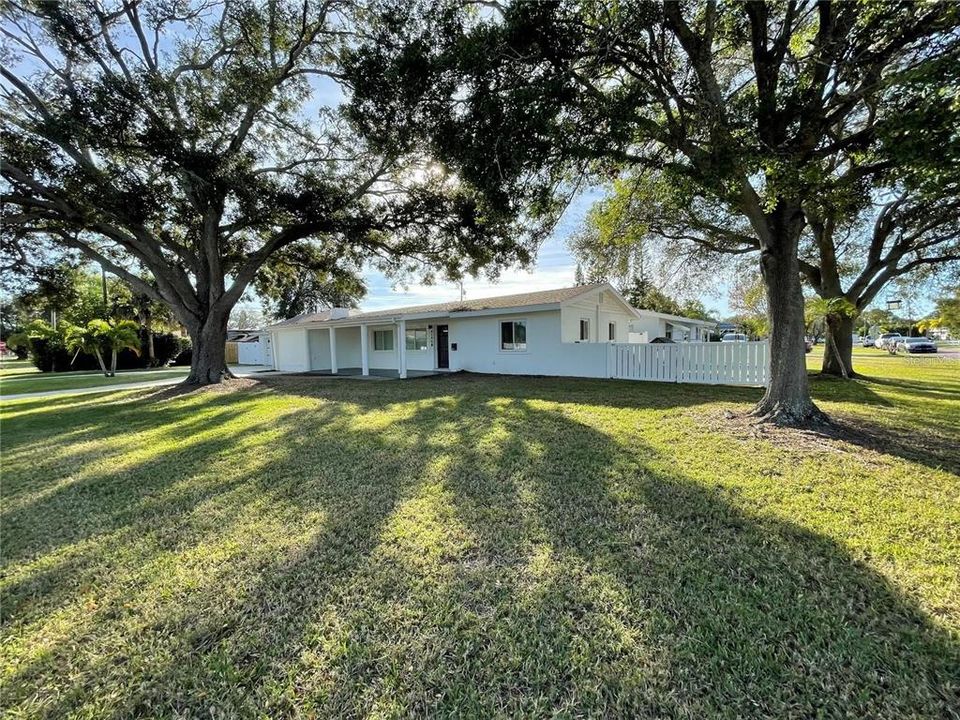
[71,317]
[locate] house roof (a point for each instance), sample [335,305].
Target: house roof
[502,302]
[673,319]
[542,298]
[310,317]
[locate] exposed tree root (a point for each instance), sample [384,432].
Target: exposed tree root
[789,414]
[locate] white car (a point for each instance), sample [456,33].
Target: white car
[887,339]
[734,337]
[916,345]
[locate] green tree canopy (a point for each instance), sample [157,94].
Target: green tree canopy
[948,312]
[193,140]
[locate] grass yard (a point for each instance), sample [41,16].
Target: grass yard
[479,547]
[41,382]
[12,367]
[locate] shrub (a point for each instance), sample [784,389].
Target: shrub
[167,347]
[185,357]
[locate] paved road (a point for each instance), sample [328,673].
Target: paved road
[238,370]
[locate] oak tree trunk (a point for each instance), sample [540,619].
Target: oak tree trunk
[838,349]
[787,399]
[208,365]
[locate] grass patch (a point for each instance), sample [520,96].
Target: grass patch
[477,547]
[69,381]
[10,367]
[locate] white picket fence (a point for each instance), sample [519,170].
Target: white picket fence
[735,363]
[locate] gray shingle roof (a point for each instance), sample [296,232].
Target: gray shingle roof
[541,297]
[311,317]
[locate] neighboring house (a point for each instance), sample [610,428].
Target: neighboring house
[527,334]
[652,325]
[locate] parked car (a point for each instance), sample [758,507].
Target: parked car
[886,340]
[734,337]
[663,340]
[867,341]
[917,345]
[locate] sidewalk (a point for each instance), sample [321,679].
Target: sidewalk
[238,370]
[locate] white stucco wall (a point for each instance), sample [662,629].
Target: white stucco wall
[318,341]
[348,347]
[424,359]
[478,348]
[383,359]
[651,325]
[291,350]
[601,309]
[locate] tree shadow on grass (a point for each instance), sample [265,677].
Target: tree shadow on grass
[477,554]
[606,393]
[921,432]
[613,587]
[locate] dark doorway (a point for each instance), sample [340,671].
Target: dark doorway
[443,346]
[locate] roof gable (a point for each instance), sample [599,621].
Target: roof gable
[610,290]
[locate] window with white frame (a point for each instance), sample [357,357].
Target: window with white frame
[416,339]
[584,330]
[383,339]
[611,331]
[513,335]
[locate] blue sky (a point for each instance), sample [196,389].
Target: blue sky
[554,267]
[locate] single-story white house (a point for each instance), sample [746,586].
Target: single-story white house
[652,325]
[552,332]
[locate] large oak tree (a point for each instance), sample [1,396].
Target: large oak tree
[740,105]
[196,139]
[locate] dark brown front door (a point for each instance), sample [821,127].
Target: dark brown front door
[443,346]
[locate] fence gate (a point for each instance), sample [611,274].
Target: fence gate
[736,363]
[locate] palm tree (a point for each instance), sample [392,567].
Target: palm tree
[87,338]
[122,335]
[99,335]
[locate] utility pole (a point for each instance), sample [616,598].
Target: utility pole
[103,282]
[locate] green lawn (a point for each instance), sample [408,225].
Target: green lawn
[480,547]
[41,382]
[12,367]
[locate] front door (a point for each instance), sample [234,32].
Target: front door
[443,346]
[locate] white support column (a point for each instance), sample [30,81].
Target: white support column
[402,347]
[364,350]
[333,351]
